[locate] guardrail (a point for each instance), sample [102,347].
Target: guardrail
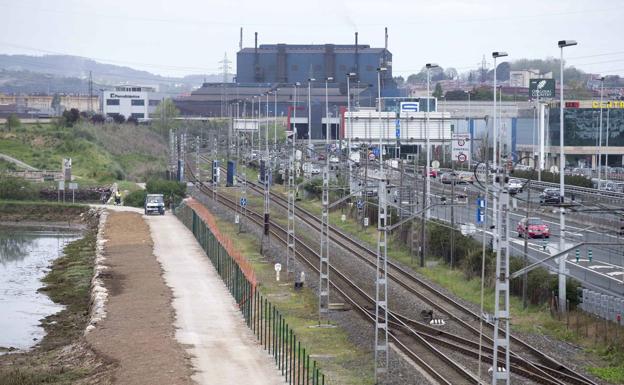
[263,318]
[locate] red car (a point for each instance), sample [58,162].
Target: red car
[432,173]
[536,228]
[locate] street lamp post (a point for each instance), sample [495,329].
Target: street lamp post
[379,71]
[470,131]
[600,134]
[562,260]
[310,80]
[327,123]
[275,120]
[349,75]
[429,66]
[495,55]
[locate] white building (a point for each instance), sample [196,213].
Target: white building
[130,101]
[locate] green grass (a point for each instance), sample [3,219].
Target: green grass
[340,360]
[99,153]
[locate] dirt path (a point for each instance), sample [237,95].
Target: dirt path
[138,330]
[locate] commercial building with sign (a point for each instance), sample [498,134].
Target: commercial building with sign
[130,101]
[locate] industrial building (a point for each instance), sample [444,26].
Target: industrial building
[283,70]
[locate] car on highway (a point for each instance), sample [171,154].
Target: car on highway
[154,203]
[315,170]
[549,196]
[515,186]
[432,173]
[448,178]
[333,159]
[466,177]
[533,228]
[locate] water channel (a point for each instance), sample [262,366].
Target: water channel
[25,258]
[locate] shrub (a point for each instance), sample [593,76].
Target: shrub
[12,122]
[135,198]
[547,176]
[16,188]
[172,190]
[119,118]
[98,119]
[132,120]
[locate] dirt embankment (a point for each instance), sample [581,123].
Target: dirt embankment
[138,332]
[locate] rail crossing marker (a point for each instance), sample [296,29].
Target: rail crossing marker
[243,202]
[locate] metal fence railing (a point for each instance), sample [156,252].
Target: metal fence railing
[266,322]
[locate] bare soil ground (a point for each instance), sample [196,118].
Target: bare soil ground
[138,333]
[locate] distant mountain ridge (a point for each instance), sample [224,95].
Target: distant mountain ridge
[70,74]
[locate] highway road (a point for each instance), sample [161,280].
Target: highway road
[604,272]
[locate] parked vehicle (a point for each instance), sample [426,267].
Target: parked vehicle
[549,196]
[536,228]
[515,186]
[154,203]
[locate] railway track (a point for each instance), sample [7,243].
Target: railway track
[522,353]
[430,359]
[526,360]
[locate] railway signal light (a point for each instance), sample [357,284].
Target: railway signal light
[590,255]
[578,255]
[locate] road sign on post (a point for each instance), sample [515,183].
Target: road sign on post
[73,187]
[541,88]
[461,147]
[243,202]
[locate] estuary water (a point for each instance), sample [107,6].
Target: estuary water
[25,258]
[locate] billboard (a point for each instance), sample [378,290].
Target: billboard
[461,147]
[541,88]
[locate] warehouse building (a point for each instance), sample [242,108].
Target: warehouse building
[130,101]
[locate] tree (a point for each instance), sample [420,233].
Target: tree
[119,118]
[456,95]
[97,118]
[12,122]
[163,116]
[438,91]
[132,120]
[502,71]
[400,81]
[71,117]
[451,73]
[56,104]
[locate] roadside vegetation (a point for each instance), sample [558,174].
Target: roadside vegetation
[173,192]
[62,357]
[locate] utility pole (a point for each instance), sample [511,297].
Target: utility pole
[90,101]
[501,293]
[381,283]
[324,254]
[453,181]
[290,260]
[197,168]
[525,278]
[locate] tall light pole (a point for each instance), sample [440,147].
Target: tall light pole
[427,202]
[379,71]
[600,134]
[310,80]
[349,75]
[275,120]
[470,131]
[495,55]
[327,124]
[562,260]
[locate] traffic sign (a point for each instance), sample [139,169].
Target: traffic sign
[398,132]
[360,204]
[460,145]
[243,202]
[435,164]
[278,267]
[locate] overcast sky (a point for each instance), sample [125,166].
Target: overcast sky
[190,37]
